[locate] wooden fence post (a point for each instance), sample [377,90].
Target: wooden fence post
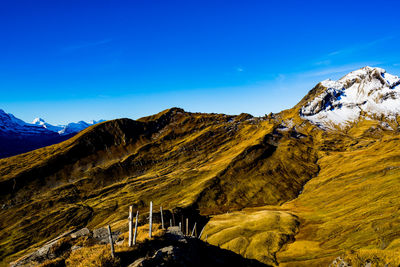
[183,225]
[194,229]
[170,222]
[173,218]
[187,226]
[111,240]
[180,226]
[136,223]
[201,231]
[130,240]
[151,218]
[162,218]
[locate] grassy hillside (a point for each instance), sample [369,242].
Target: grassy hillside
[174,158]
[350,209]
[295,194]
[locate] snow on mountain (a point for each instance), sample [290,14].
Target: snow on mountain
[11,125]
[65,129]
[48,126]
[17,136]
[367,91]
[77,127]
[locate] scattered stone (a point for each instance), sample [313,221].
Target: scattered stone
[339,262]
[175,233]
[137,263]
[100,232]
[75,248]
[44,253]
[82,232]
[101,235]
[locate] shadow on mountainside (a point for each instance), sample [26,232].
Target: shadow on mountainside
[173,250]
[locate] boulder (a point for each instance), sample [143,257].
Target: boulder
[101,235]
[81,232]
[44,253]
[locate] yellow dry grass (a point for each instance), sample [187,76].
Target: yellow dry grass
[99,255]
[376,257]
[352,204]
[254,234]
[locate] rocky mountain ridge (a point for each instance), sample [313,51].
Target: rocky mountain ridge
[367,92]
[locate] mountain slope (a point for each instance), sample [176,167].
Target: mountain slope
[98,173]
[298,191]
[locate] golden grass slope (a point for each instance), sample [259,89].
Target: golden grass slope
[350,209]
[212,162]
[352,204]
[252,233]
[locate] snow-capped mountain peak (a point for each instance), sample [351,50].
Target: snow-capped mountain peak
[10,124]
[10,119]
[368,91]
[70,128]
[38,121]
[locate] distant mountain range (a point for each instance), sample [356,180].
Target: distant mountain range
[17,136]
[73,127]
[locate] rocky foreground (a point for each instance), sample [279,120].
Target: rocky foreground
[172,248]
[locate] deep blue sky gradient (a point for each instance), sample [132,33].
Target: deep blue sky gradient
[79,60]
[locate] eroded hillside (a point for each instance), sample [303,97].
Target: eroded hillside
[212,162]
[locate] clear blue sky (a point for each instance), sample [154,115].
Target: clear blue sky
[79,60]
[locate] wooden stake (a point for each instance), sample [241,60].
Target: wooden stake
[151,218]
[170,222]
[162,218]
[187,226]
[180,226]
[201,231]
[111,240]
[183,224]
[136,222]
[194,229]
[173,219]
[130,241]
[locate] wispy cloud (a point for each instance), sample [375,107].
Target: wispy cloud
[354,48]
[338,69]
[239,69]
[332,58]
[86,44]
